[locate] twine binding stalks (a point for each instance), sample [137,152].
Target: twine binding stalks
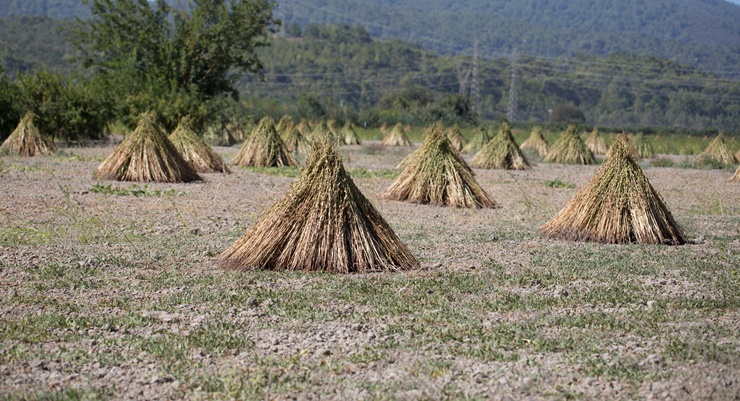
[718,152]
[147,155]
[479,141]
[27,141]
[396,137]
[436,174]
[196,152]
[617,206]
[501,152]
[536,142]
[323,223]
[456,138]
[597,143]
[264,148]
[570,149]
[350,135]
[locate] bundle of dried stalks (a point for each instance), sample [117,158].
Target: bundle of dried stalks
[718,152]
[456,138]
[736,176]
[501,152]
[323,223]
[147,155]
[196,152]
[436,174]
[617,206]
[295,140]
[350,135]
[536,142]
[285,123]
[479,140]
[218,135]
[27,141]
[570,149]
[627,145]
[643,148]
[597,143]
[737,155]
[396,137]
[264,148]
[325,131]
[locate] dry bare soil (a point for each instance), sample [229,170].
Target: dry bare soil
[111,290]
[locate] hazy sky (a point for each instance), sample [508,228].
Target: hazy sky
[734,1]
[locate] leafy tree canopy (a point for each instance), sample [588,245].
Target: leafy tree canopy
[169,58]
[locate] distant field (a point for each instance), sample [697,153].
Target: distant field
[111,290]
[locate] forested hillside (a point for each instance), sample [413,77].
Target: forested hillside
[703,33]
[340,68]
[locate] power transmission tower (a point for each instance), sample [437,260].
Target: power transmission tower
[513,88]
[475,84]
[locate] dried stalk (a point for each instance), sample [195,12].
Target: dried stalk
[323,223]
[396,137]
[27,141]
[717,152]
[501,152]
[535,142]
[479,141]
[350,135]
[147,155]
[617,206]
[436,174]
[196,152]
[597,143]
[570,149]
[264,148]
[456,138]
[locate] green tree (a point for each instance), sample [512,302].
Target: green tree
[172,59]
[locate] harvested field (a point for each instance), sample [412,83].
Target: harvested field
[112,290]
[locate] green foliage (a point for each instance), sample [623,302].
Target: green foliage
[559,184]
[133,190]
[567,113]
[67,109]
[173,60]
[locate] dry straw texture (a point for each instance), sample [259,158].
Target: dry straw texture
[327,131]
[501,152]
[643,148]
[617,206]
[436,174]
[147,155]
[479,141]
[27,141]
[295,140]
[736,176]
[627,145]
[536,142]
[456,138]
[323,223]
[397,137]
[284,124]
[350,135]
[718,152]
[264,148]
[196,152]
[218,135]
[597,143]
[570,149]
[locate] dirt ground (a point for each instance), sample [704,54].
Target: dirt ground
[114,295]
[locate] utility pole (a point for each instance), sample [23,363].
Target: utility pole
[513,88]
[475,84]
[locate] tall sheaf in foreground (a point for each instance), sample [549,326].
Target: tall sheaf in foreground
[617,206]
[147,155]
[436,174]
[323,223]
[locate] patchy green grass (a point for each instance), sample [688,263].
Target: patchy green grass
[559,184]
[134,190]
